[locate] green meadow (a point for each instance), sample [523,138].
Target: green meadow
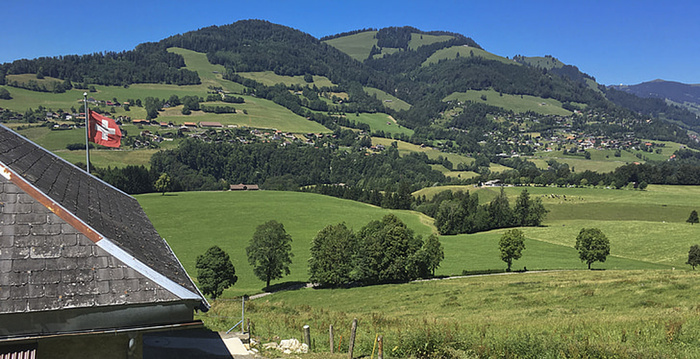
[464,51]
[380,122]
[569,314]
[406,148]
[269,78]
[639,303]
[356,46]
[516,103]
[647,229]
[389,101]
[192,222]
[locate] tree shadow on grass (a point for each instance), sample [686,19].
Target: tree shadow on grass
[291,285]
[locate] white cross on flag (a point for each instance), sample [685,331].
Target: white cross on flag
[104,131]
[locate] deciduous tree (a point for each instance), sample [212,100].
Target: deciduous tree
[163,183]
[694,256]
[215,272]
[592,245]
[270,251]
[528,212]
[386,252]
[434,252]
[511,245]
[332,252]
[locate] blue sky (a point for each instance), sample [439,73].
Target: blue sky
[615,41]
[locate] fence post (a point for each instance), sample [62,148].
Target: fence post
[307,336]
[330,336]
[380,347]
[353,330]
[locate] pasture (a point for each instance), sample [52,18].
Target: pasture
[405,148]
[572,314]
[192,222]
[647,229]
[380,122]
[269,78]
[389,100]
[464,51]
[516,103]
[356,46]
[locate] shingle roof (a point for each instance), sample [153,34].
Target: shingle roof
[130,240]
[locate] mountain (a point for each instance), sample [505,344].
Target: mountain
[678,93]
[446,81]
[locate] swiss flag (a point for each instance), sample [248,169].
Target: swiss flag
[103,130]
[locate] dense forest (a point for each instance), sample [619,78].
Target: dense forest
[148,63]
[196,165]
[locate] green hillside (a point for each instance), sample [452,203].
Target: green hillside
[356,46]
[575,314]
[466,52]
[389,100]
[191,222]
[543,62]
[515,103]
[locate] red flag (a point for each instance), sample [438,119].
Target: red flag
[104,131]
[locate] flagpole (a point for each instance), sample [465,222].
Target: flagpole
[87,130]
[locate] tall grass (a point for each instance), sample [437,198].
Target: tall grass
[579,314]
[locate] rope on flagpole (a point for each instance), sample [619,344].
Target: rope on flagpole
[87,130]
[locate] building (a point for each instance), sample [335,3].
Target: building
[244,187]
[83,272]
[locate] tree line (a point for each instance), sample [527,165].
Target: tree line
[460,212]
[147,63]
[383,251]
[197,165]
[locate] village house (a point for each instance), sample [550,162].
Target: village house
[83,272]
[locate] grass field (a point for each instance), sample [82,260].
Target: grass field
[269,78]
[192,222]
[642,293]
[405,148]
[211,75]
[356,46]
[647,229]
[418,40]
[574,314]
[516,103]
[454,174]
[464,52]
[380,122]
[389,101]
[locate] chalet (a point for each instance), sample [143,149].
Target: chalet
[244,187]
[83,272]
[141,122]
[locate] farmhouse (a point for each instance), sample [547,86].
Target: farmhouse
[244,187]
[206,124]
[83,272]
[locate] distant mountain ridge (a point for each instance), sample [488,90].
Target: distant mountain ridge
[686,95]
[418,67]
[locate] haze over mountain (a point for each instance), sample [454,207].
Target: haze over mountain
[686,95]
